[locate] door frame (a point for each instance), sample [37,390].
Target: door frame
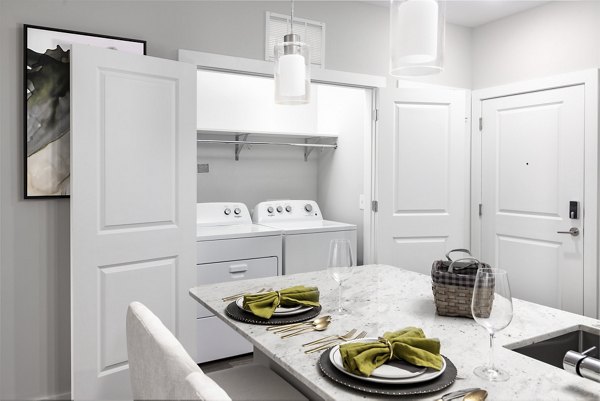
[246,66]
[589,79]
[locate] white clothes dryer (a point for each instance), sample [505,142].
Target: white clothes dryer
[306,236]
[230,247]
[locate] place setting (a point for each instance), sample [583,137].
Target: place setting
[404,362]
[275,307]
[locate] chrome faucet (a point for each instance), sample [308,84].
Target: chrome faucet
[583,365]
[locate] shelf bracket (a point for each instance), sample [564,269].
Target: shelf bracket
[239,147]
[308,150]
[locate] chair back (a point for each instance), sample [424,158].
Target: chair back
[159,366]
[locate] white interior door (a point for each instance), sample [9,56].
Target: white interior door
[422,176]
[532,148]
[133,153]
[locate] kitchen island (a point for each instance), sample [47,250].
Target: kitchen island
[385,298]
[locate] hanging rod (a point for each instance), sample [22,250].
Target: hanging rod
[303,145]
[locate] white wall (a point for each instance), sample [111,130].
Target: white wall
[262,173]
[557,37]
[235,101]
[347,112]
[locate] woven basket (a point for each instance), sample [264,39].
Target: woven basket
[453,291]
[453,300]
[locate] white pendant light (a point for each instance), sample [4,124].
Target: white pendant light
[416,37]
[292,69]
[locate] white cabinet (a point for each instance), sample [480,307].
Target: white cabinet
[216,340]
[244,269]
[230,259]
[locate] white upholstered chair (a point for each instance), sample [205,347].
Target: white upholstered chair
[161,369]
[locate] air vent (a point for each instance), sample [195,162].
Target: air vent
[311,32]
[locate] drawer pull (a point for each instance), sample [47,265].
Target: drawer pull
[241,268]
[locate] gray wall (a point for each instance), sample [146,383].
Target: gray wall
[555,38]
[34,251]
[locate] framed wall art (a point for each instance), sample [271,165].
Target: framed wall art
[47,104]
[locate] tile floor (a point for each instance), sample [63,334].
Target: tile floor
[226,363]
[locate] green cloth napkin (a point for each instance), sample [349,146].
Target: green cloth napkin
[264,304]
[409,344]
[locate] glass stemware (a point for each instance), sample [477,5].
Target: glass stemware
[340,266]
[492,308]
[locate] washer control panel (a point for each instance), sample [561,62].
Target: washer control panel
[286,210]
[222,213]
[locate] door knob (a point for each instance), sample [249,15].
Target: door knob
[574,231]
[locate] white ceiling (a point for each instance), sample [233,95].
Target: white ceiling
[479,12]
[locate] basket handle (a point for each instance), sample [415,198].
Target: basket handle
[457,250]
[450,268]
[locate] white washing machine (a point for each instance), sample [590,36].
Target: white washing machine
[306,236]
[230,247]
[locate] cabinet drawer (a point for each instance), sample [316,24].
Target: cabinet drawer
[237,249]
[216,340]
[211,273]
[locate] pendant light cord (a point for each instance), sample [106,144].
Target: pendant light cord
[292,19]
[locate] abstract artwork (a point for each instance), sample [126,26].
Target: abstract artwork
[47,104]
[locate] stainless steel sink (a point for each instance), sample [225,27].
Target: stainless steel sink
[552,347]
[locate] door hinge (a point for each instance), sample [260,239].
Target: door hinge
[480,209]
[375,206]
[480,124]
[376,115]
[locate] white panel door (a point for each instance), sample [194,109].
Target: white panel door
[422,176]
[532,166]
[133,156]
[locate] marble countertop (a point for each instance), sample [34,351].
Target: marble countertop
[385,298]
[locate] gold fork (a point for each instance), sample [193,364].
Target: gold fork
[334,337]
[362,334]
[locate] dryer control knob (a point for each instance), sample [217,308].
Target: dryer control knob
[279,209]
[270,209]
[308,207]
[237,210]
[227,211]
[288,208]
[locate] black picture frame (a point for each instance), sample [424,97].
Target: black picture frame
[46,118]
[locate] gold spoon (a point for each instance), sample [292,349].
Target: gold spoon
[319,327]
[457,394]
[477,395]
[320,319]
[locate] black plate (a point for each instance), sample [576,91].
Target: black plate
[437,384]
[234,312]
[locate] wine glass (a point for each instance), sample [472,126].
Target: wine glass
[340,266]
[492,308]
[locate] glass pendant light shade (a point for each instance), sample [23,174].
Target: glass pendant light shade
[292,71]
[417,29]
